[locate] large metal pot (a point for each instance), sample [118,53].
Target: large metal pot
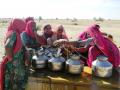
[56,63]
[39,60]
[74,65]
[101,67]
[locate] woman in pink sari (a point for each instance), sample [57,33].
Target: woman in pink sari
[102,45]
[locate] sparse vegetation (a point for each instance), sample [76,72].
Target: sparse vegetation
[40,18]
[98,19]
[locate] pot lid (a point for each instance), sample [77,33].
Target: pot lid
[57,59]
[43,57]
[73,62]
[101,61]
[40,57]
[102,58]
[75,57]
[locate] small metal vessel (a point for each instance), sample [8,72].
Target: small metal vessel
[39,59]
[56,63]
[102,67]
[74,65]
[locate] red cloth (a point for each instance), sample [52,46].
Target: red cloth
[42,40]
[82,35]
[2,71]
[104,46]
[29,19]
[29,29]
[16,25]
[92,54]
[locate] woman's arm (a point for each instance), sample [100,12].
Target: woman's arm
[9,51]
[9,44]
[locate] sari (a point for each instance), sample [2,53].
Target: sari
[14,66]
[102,45]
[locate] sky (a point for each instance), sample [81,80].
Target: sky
[62,9]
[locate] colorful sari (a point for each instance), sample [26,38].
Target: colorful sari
[15,68]
[28,36]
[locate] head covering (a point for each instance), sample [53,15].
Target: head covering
[16,25]
[107,47]
[29,19]
[61,28]
[84,35]
[64,36]
[29,29]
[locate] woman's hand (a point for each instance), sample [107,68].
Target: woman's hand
[26,58]
[27,62]
[9,53]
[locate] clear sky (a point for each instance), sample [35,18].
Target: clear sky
[81,9]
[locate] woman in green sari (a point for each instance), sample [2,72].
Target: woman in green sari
[29,37]
[15,66]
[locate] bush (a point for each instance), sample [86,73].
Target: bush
[75,23]
[40,18]
[3,21]
[74,20]
[98,19]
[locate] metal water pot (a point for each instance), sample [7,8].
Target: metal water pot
[102,67]
[56,63]
[39,60]
[74,65]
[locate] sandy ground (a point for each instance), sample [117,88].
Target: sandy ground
[72,30]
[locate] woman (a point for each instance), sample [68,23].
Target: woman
[47,34]
[102,45]
[15,67]
[59,34]
[29,37]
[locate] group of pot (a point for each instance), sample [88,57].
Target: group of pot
[52,59]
